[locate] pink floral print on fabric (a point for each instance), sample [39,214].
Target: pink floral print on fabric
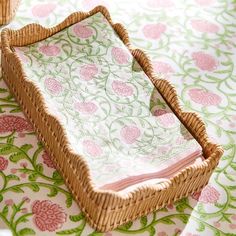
[48,216]
[82,31]
[130,134]
[120,55]
[204,26]
[10,123]
[204,98]
[162,67]
[122,88]
[204,61]
[50,50]
[165,118]
[88,72]
[88,108]
[3,163]
[205,2]
[53,86]
[154,31]
[92,148]
[208,195]
[160,3]
[47,160]
[43,10]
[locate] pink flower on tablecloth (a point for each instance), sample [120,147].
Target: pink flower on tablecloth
[92,148]
[47,160]
[82,31]
[162,233]
[204,26]
[10,123]
[130,134]
[232,226]
[162,67]
[205,98]
[88,72]
[208,195]
[43,9]
[154,31]
[204,3]
[26,199]
[23,164]
[217,224]
[50,50]
[3,163]
[13,170]
[53,86]
[48,216]
[165,118]
[122,88]
[120,55]
[9,202]
[89,4]
[204,61]
[23,175]
[87,108]
[160,3]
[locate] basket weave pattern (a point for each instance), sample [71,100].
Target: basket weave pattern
[104,210]
[8,10]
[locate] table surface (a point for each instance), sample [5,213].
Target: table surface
[193,43]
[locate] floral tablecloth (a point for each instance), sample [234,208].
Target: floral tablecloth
[193,43]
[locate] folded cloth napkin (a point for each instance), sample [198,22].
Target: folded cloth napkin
[112,114]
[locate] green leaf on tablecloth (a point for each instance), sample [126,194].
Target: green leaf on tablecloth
[229,146]
[233,165]
[151,231]
[1,197]
[10,140]
[96,234]
[3,90]
[77,230]
[126,226]
[56,175]
[76,218]
[5,211]
[26,147]
[6,149]
[17,156]
[69,200]
[34,187]
[166,221]
[183,218]
[15,110]
[26,231]
[228,176]
[201,227]
[143,221]
[39,168]
[17,189]
[53,192]
[12,177]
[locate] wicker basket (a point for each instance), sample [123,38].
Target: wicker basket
[8,10]
[105,210]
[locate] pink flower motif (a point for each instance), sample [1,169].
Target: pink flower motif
[87,108]
[13,170]
[43,10]
[130,134]
[26,199]
[160,3]
[82,31]
[232,226]
[48,216]
[162,233]
[3,163]
[92,148]
[204,61]
[204,3]
[165,118]
[120,55]
[53,86]
[50,50]
[204,26]
[217,224]
[162,67]
[89,4]
[10,123]
[208,195]
[23,175]
[23,164]
[9,202]
[87,72]
[47,160]
[154,31]
[204,98]
[122,89]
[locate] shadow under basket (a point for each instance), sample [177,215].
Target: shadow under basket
[104,209]
[8,10]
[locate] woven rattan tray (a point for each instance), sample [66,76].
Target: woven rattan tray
[104,209]
[8,10]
